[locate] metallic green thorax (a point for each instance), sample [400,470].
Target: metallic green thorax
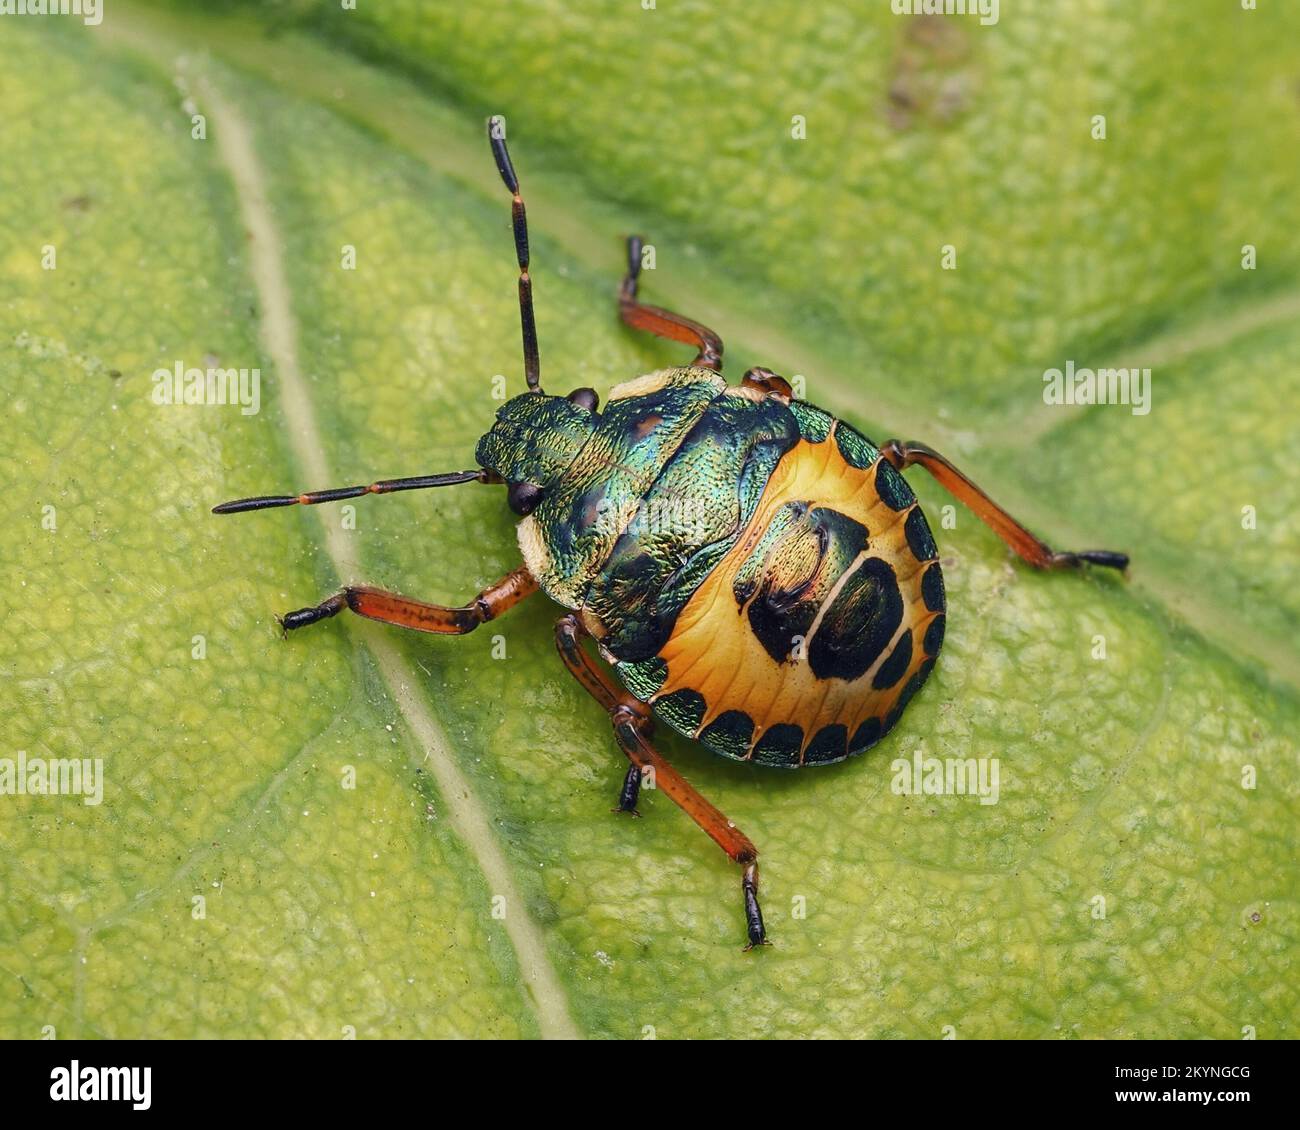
[578,523]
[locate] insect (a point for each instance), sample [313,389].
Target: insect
[758,574]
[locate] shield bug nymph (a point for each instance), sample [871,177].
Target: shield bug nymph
[788,622]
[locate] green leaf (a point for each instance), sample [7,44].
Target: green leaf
[1126,883]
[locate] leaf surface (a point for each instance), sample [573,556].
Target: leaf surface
[1125,884]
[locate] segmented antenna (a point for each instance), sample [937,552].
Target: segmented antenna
[496,128]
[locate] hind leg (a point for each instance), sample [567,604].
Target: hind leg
[633,726]
[1031,548]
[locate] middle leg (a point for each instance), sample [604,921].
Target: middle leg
[633,726]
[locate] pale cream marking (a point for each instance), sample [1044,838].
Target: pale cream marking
[533,548]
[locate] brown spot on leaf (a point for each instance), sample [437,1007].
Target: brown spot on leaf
[935,76]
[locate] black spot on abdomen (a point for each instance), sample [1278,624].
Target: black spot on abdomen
[830,743]
[932,589]
[683,710]
[777,619]
[934,636]
[793,569]
[866,736]
[892,487]
[893,668]
[779,745]
[859,623]
[729,734]
[919,538]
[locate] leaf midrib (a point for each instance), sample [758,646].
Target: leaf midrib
[278,332]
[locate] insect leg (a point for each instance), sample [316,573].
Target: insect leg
[664,323]
[1033,549]
[532,363]
[633,726]
[631,789]
[335,494]
[389,608]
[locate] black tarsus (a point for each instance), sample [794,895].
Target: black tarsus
[300,618]
[631,790]
[753,914]
[1106,557]
[633,266]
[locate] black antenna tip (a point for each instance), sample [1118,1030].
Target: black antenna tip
[266,502]
[496,130]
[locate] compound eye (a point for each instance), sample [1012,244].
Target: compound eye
[585,398]
[523,498]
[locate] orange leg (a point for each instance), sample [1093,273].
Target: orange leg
[633,726]
[664,323]
[389,608]
[1033,549]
